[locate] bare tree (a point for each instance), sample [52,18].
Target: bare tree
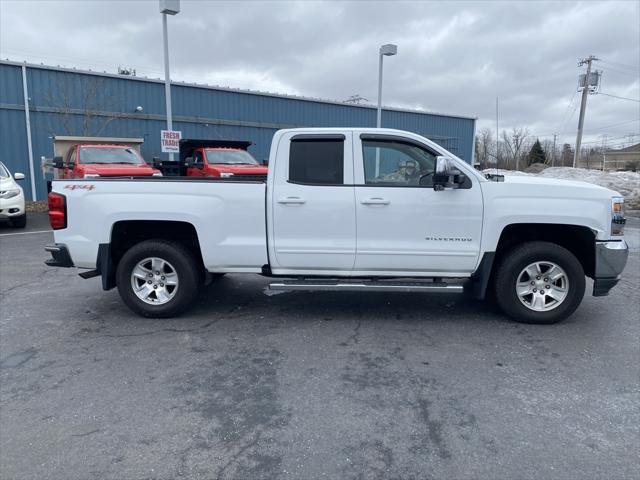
[515,144]
[547,146]
[91,103]
[485,147]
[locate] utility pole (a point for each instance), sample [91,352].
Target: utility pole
[604,150]
[553,153]
[497,136]
[583,104]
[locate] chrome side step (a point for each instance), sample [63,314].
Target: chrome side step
[330,285]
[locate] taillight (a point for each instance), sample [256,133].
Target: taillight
[57,211]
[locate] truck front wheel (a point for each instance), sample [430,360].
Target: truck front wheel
[158,278]
[539,282]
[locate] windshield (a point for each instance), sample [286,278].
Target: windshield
[4,173]
[110,155]
[230,157]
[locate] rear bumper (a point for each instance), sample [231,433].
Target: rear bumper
[611,258]
[60,255]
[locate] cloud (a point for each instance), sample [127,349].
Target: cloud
[452,56]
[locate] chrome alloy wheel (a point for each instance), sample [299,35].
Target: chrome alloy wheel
[542,286]
[154,281]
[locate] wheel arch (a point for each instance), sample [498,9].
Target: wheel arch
[578,239]
[127,233]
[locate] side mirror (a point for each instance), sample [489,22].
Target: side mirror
[447,174]
[189,162]
[265,162]
[156,162]
[58,162]
[18,176]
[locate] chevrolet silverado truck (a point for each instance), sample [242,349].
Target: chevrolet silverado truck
[346,209]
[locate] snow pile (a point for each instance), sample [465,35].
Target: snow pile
[626,183]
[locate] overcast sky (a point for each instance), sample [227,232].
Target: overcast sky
[453,57]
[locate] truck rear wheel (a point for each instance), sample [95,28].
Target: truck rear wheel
[158,278]
[539,282]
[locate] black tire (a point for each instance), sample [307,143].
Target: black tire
[186,268]
[19,222]
[523,255]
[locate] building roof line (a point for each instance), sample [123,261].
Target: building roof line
[229,89]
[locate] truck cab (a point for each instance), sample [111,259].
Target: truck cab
[220,158]
[108,160]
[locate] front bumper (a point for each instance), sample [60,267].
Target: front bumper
[611,258]
[12,207]
[60,254]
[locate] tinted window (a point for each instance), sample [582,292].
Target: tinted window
[397,164]
[317,161]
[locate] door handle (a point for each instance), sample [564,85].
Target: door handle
[375,201]
[292,200]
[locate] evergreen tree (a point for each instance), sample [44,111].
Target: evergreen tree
[536,154]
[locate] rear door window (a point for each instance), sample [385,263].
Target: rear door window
[316,161]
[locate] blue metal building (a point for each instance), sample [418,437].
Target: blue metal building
[65,101]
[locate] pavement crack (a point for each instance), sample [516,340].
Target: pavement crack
[153,332]
[86,434]
[38,280]
[252,443]
[354,337]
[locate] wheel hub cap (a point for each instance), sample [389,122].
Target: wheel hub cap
[542,286]
[154,281]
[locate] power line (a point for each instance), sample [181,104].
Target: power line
[635,68]
[613,125]
[568,108]
[622,72]
[621,98]
[614,138]
[593,130]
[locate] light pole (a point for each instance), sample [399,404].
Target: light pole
[385,50]
[168,7]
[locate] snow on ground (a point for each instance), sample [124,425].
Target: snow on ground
[626,183]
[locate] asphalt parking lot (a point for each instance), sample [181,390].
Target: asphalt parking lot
[308,385]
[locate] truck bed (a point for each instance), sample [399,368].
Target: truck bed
[228,214]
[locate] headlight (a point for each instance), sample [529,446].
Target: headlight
[10,193]
[226,174]
[158,174]
[91,175]
[617,216]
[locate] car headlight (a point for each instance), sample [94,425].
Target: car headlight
[10,193]
[91,175]
[157,174]
[617,216]
[226,174]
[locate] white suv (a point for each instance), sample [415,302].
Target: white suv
[12,198]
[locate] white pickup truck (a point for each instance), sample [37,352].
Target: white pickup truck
[346,209]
